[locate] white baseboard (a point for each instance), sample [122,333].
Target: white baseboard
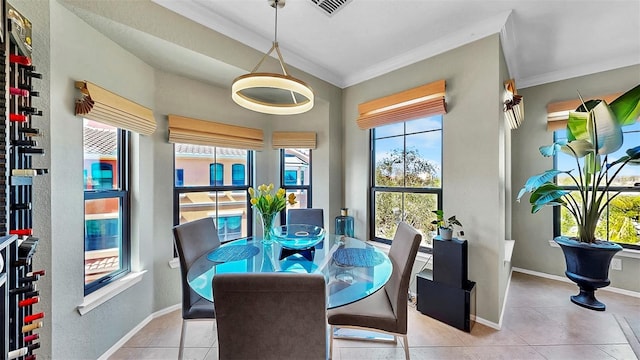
[488,323]
[565,279]
[139,327]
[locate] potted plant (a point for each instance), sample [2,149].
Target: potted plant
[445,226]
[593,132]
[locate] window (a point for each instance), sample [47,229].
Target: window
[202,189]
[216,174]
[237,174]
[620,222]
[106,204]
[295,177]
[406,176]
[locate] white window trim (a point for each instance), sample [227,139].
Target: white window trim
[108,292]
[628,253]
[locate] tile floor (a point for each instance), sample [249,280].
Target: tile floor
[539,323]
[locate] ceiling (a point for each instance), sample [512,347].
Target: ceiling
[543,40]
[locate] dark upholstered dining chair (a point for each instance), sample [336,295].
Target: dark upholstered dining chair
[386,309]
[192,240]
[306,216]
[270,316]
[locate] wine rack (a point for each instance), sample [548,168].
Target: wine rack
[18,144]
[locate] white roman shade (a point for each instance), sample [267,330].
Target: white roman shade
[293,140]
[112,109]
[201,132]
[558,112]
[422,101]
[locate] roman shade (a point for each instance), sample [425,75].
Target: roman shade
[112,109]
[422,101]
[201,132]
[293,140]
[558,112]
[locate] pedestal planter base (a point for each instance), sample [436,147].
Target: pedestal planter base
[588,267]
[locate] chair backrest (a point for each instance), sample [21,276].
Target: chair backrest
[306,216]
[402,254]
[192,240]
[270,316]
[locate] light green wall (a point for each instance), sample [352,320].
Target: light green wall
[79,52]
[473,134]
[533,232]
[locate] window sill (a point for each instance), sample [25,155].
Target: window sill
[628,253]
[174,263]
[424,257]
[106,293]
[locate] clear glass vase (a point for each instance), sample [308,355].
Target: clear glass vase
[268,221]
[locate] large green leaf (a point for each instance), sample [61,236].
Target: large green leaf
[580,148]
[626,107]
[546,194]
[604,127]
[539,180]
[536,208]
[577,126]
[551,150]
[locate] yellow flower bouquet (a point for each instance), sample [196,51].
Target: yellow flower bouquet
[268,205]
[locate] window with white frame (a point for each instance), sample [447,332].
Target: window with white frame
[106,204]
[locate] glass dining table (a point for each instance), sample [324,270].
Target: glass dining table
[352,268]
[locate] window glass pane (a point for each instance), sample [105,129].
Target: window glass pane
[102,237]
[228,207]
[619,223]
[301,198]
[209,166]
[100,156]
[388,213]
[388,130]
[423,159]
[630,174]
[417,212]
[389,162]
[296,170]
[216,174]
[425,124]
[238,174]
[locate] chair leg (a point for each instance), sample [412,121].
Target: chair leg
[181,350]
[331,329]
[405,343]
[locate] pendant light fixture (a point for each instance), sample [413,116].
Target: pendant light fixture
[272,93]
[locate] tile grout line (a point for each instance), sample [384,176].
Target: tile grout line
[629,334]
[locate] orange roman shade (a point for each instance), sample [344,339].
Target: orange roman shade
[109,108]
[293,140]
[558,112]
[422,101]
[201,132]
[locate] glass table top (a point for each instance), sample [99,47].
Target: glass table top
[352,268]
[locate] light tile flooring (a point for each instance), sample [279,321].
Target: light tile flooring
[539,323]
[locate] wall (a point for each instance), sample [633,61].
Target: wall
[533,232]
[61,251]
[473,139]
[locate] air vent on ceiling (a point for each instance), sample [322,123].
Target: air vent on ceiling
[330,7]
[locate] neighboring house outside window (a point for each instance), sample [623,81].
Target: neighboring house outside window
[216,174]
[295,177]
[106,203]
[213,182]
[238,174]
[620,222]
[406,173]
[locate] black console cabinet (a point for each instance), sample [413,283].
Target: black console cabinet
[445,293]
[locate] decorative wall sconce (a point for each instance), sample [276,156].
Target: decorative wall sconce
[513,105]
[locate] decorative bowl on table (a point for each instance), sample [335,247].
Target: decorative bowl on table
[297,236]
